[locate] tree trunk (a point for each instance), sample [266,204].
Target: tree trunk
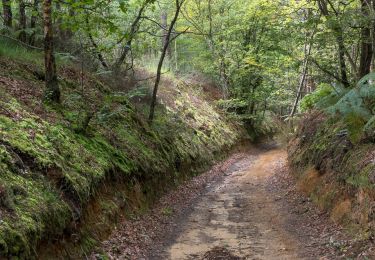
[340,43]
[22,21]
[307,51]
[7,13]
[366,45]
[224,78]
[211,44]
[164,24]
[98,53]
[176,54]
[341,54]
[164,31]
[133,30]
[179,4]
[52,91]
[33,19]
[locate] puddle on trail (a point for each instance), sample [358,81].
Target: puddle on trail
[237,214]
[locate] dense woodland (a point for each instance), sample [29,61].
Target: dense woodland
[264,55]
[270,63]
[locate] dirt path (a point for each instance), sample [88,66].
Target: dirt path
[238,215]
[245,208]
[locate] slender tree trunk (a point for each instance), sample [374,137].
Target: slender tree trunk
[366,45]
[127,47]
[33,19]
[164,24]
[176,54]
[52,91]
[307,51]
[95,45]
[352,63]
[223,77]
[253,103]
[340,43]
[97,51]
[179,4]
[7,13]
[341,54]
[22,20]
[211,44]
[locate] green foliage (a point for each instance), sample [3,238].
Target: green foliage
[49,171]
[13,50]
[311,100]
[354,106]
[248,54]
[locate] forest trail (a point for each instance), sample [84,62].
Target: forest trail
[238,215]
[252,212]
[246,207]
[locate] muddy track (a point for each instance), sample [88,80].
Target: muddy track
[251,210]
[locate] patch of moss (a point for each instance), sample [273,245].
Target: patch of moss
[53,165]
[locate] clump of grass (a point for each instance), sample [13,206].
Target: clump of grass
[16,51]
[9,49]
[167,211]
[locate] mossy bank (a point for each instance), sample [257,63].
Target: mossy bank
[68,171]
[337,172]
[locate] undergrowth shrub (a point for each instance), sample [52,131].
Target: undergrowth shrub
[310,100]
[355,107]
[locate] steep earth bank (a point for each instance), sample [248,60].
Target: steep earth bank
[338,174]
[68,172]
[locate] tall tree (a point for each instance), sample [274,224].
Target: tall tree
[366,44]
[126,48]
[22,20]
[52,91]
[7,13]
[33,20]
[339,35]
[164,24]
[167,41]
[307,52]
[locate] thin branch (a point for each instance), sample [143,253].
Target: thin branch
[325,70]
[153,21]
[333,7]
[178,34]
[95,45]
[133,31]
[192,22]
